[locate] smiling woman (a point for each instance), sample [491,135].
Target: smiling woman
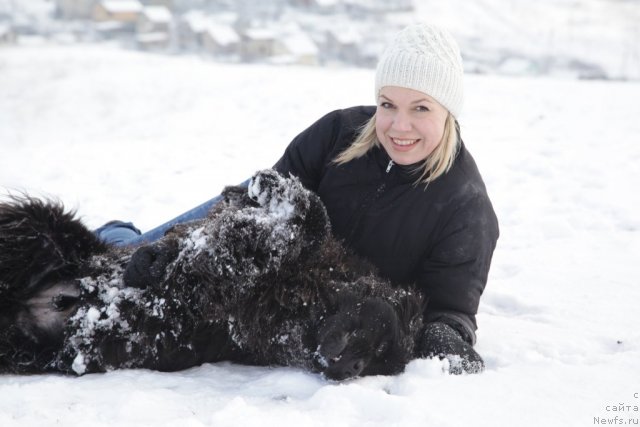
[402,190]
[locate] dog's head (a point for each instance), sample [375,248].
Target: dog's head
[373,337]
[42,249]
[31,330]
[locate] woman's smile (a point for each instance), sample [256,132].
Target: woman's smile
[404,142]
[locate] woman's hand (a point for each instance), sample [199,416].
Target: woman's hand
[441,340]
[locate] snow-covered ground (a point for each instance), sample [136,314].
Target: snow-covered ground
[132,136]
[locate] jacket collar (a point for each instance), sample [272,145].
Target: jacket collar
[403,173]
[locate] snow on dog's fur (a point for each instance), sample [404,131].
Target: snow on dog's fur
[260,280]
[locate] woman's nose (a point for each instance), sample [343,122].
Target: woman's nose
[401,122]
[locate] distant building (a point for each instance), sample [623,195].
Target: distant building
[123,11]
[343,44]
[257,44]
[158,41]
[368,54]
[116,19]
[259,11]
[190,30]
[319,6]
[220,40]
[23,25]
[154,28]
[7,35]
[364,8]
[288,45]
[154,19]
[74,9]
[297,48]
[169,4]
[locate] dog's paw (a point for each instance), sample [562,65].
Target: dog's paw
[266,185]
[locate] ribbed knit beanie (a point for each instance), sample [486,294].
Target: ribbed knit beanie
[427,59]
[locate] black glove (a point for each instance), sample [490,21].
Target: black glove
[441,340]
[148,265]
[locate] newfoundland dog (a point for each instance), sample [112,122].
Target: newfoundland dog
[259,281]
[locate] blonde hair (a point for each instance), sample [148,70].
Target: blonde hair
[436,164]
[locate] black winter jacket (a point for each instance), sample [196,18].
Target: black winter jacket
[440,237]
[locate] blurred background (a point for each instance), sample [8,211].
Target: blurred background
[586,39]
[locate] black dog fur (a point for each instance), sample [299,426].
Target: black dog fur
[260,281]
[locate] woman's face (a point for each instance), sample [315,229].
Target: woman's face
[409,124]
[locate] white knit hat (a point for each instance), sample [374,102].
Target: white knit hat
[427,59]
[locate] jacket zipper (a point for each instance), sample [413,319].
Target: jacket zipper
[389,166]
[369,201]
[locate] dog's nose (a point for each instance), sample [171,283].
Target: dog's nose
[345,369]
[357,367]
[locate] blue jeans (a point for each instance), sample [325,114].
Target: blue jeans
[122,233]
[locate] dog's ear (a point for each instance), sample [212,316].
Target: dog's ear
[40,239]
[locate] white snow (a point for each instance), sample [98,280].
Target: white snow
[93,315]
[140,137]
[78,364]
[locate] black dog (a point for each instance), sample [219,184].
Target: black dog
[260,281]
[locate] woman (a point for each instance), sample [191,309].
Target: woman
[401,189]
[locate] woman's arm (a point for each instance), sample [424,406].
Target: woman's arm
[454,273]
